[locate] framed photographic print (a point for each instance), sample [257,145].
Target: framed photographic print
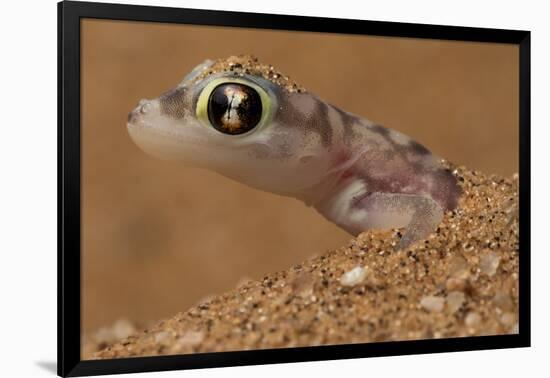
[239,188]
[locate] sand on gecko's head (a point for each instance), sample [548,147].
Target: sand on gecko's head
[249,64]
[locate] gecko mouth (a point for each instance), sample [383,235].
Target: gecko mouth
[132,117]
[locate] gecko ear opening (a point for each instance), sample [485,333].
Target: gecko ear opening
[233,106]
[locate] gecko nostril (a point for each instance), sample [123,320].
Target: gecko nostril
[142,108]
[145,107]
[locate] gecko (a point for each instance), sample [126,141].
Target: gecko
[249,122]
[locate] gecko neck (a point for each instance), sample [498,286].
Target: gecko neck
[332,183]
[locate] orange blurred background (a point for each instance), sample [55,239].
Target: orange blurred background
[158,237]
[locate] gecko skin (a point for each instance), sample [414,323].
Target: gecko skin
[248,122]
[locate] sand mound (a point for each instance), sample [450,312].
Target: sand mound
[461,281]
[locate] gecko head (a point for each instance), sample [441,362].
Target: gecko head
[237,117]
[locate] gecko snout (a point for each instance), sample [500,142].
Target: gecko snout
[143,107]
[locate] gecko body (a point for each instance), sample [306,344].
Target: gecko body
[245,120]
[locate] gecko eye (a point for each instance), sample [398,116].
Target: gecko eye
[234,108]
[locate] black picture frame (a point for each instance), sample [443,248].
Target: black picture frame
[69,185]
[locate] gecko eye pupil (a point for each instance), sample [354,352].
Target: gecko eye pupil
[234,108]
